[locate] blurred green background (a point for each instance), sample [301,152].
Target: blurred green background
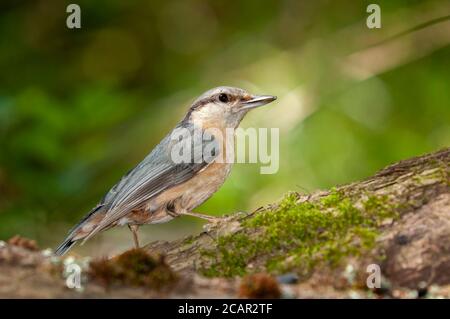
[79,108]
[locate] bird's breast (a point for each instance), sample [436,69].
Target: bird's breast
[198,189]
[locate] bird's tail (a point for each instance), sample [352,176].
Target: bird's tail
[65,246]
[74,234]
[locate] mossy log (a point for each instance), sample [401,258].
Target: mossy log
[398,219]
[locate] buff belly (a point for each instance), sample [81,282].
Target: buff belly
[182,198]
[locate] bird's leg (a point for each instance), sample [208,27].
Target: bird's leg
[134,230]
[212,221]
[202,216]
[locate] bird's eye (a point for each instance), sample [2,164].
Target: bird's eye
[223,98]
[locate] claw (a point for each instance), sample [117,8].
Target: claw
[215,223]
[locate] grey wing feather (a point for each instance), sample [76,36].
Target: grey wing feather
[156,173]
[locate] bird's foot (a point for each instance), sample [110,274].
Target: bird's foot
[215,222]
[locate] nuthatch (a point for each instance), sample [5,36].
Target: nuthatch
[160,189]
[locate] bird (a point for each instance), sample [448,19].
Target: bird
[160,188]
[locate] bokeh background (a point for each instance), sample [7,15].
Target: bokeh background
[79,108]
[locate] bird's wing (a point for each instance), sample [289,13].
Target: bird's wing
[156,173]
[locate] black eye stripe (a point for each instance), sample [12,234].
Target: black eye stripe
[222,97]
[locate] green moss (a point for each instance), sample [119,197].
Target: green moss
[379,208]
[189,240]
[333,199]
[297,236]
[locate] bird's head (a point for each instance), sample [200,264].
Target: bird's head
[224,106]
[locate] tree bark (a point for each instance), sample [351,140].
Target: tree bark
[412,251]
[412,244]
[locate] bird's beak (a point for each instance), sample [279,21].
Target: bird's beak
[257,100]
